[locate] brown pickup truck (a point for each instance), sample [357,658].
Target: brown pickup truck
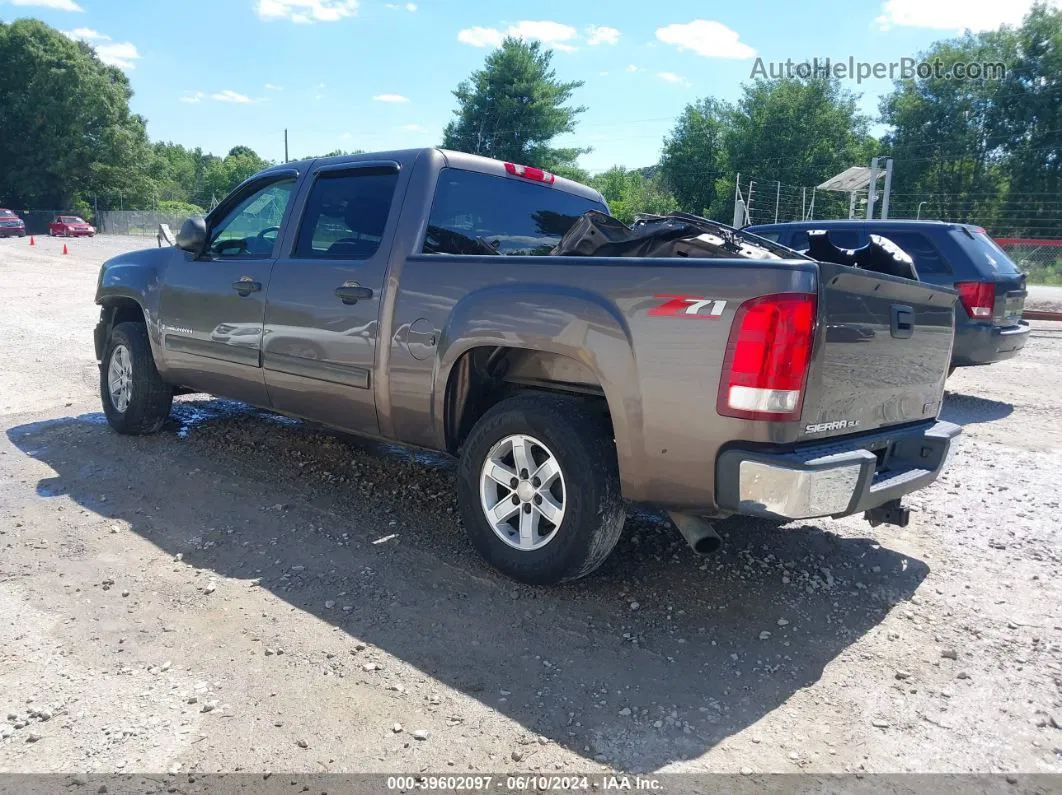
[448,301]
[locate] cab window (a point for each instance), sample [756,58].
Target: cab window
[476,213]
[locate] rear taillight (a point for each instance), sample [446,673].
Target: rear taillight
[530,172]
[767,358]
[979,298]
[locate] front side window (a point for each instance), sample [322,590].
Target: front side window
[346,213]
[250,227]
[477,213]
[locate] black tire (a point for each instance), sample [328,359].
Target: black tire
[150,397]
[582,444]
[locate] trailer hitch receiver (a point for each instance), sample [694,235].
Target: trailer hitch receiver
[891,512]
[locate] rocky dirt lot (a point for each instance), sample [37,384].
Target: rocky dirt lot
[243,592]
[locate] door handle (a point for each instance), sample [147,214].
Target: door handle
[351,294]
[246,286]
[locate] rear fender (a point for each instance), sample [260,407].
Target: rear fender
[560,320]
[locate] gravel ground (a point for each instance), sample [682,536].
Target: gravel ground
[243,592]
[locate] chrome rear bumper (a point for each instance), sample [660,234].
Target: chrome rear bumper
[836,478]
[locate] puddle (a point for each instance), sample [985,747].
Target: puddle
[188,415]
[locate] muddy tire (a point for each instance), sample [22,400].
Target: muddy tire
[135,398]
[538,488]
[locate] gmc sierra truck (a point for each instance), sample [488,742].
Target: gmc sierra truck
[442,300]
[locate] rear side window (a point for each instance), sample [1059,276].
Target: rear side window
[988,257]
[477,213]
[921,249]
[346,213]
[842,238]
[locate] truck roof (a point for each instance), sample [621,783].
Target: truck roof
[850,222]
[462,160]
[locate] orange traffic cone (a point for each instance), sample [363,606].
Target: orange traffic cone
[32,241]
[65,250]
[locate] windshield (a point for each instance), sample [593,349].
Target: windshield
[72,219]
[986,252]
[6,214]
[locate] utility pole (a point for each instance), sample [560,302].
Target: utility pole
[888,189]
[777,199]
[285,144]
[872,188]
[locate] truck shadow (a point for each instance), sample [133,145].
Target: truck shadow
[971,409]
[658,658]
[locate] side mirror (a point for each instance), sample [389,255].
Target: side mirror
[193,235]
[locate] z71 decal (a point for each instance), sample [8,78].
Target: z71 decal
[690,306]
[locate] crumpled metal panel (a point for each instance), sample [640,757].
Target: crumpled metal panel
[880,255]
[596,234]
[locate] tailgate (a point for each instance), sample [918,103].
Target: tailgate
[882,352]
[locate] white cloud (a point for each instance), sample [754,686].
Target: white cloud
[601,35]
[306,11]
[544,31]
[85,34]
[400,6]
[192,97]
[632,68]
[228,95]
[480,37]
[603,74]
[553,34]
[954,15]
[113,53]
[58,5]
[708,38]
[671,77]
[412,128]
[390,98]
[271,87]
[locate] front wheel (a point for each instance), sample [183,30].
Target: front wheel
[538,488]
[135,398]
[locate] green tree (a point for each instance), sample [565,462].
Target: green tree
[798,132]
[514,107]
[693,157]
[1025,121]
[942,141]
[66,131]
[630,192]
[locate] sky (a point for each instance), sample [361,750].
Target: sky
[375,75]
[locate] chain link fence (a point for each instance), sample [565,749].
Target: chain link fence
[1041,259]
[136,222]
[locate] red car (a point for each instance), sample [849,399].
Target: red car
[11,225]
[70,226]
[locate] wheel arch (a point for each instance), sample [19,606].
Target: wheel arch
[549,338]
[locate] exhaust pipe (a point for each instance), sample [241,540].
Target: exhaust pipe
[699,534]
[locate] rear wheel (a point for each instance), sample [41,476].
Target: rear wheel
[538,487]
[135,398]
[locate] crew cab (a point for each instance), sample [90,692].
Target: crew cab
[70,226]
[988,324]
[440,299]
[11,225]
